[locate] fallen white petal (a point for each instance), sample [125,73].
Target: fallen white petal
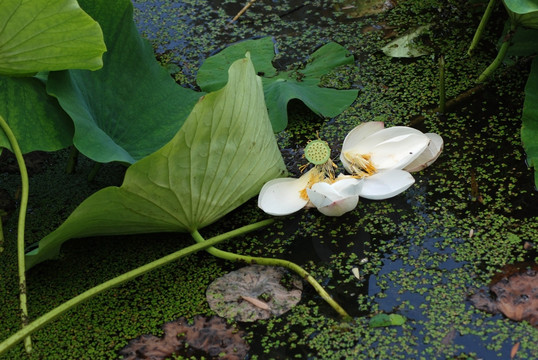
[282,196]
[429,155]
[386,184]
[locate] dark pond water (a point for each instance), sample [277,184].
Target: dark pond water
[420,255]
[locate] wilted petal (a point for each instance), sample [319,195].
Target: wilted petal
[337,198]
[386,184]
[391,148]
[283,196]
[429,155]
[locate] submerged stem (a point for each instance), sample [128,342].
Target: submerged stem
[61,309]
[20,228]
[274,262]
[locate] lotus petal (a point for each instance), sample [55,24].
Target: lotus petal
[428,156]
[335,199]
[283,196]
[386,184]
[358,134]
[391,148]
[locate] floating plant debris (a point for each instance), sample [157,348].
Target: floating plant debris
[513,292]
[208,337]
[254,292]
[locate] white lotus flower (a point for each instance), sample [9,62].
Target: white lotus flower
[318,187]
[383,157]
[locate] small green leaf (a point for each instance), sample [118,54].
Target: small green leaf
[280,88]
[381,320]
[529,130]
[44,35]
[405,46]
[220,158]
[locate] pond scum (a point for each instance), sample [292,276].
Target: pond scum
[421,254]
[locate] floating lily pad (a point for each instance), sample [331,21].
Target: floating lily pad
[254,292]
[280,87]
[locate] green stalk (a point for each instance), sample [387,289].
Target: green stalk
[72,160]
[442,95]
[500,56]
[20,229]
[93,172]
[56,312]
[274,262]
[481,27]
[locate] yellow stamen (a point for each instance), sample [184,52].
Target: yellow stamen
[360,164]
[320,173]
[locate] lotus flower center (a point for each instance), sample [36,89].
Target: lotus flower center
[360,164]
[317,152]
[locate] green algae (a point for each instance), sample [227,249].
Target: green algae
[420,255]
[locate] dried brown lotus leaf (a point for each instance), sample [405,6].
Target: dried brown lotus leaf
[254,292]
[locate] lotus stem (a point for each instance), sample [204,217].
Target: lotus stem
[481,27]
[93,172]
[61,309]
[274,262]
[20,229]
[442,94]
[72,160]
[500,55]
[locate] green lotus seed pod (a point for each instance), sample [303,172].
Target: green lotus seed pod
[317,152]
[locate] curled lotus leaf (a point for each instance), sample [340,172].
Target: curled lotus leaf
[254,292]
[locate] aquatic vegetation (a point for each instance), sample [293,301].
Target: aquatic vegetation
[202,337]
[518,40]
[281,86]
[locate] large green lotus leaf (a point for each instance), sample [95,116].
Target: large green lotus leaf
[281,87]
[129,108]
[523,12]
[41,35]
[220,158]
[36,119]
[529,130]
